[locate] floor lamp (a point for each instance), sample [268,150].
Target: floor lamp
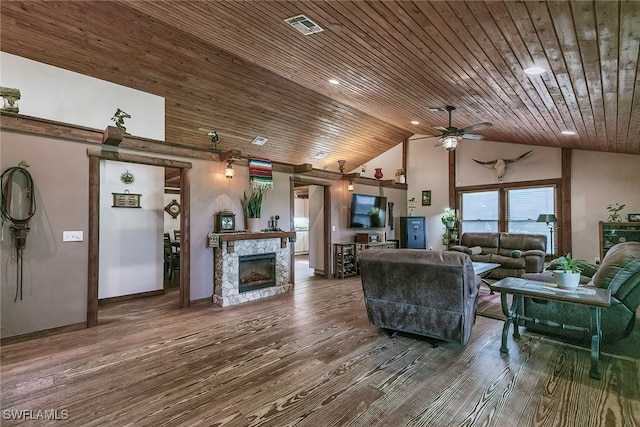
[549,219]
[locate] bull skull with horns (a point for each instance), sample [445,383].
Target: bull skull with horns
[500,165]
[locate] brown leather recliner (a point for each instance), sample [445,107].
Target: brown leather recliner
[516,253]
[430,293]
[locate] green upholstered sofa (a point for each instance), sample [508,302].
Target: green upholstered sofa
[429,293]
[619,272]
[516,253]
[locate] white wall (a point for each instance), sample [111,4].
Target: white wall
[427,169]
[55,272]
[389,161]
[541,163]
[598,180]
[56,94]
[131,245]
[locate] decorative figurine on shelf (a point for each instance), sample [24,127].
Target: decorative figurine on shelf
[378,174]
[10,97]
[614,216]
[341,164]
[118,119]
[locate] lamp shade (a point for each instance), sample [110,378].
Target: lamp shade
[547,218]
[228,171]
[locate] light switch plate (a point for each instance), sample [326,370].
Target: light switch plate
[72,236]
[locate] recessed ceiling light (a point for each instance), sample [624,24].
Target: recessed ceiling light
[534,71]
[568,132]
[334,82]
[415,122]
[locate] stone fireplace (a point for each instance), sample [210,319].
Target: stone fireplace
[260,260]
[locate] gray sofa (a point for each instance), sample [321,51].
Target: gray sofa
[429,293]
[517,254]
[619,272]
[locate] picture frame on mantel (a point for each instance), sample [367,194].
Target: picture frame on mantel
[426,198]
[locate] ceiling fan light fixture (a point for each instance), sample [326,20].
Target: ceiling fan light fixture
[534,71]
[450,142]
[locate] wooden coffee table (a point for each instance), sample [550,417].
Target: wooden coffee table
[596,299]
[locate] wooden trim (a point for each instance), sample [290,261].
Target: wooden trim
[120,298]
[112,136]
[303,168]
[502,185]
[292,251]
[563,235]
[452,180]
[42,334]
[116,156]
[185,238]
[230,155]
[93,270]
[95,155]
[327,231]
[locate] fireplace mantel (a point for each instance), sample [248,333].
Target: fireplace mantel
[214,240]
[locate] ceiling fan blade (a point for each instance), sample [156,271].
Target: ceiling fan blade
[439,144]
[426,137]
[443,129]
[476,126]
[472,136]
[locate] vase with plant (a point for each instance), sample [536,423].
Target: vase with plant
[400,177]
[614,210]
[568,276]
[449,218]
[252,205]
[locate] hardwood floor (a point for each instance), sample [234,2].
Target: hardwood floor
[307,358]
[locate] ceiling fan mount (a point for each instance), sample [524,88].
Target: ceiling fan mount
[451,135]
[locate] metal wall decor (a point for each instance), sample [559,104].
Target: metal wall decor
[126,200]
[173,208]
[127,177]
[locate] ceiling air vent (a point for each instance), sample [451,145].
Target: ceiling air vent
[303,24]
[259,140]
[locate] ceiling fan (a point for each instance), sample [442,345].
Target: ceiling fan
[452,135]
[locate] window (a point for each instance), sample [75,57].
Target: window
[480,212]
[524,206]
[520,207]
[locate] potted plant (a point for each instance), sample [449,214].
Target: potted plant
[400,178]
[614,210]
[252,205]
[568,277]
[449,218]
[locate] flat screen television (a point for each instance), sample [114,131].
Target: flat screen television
[368,211]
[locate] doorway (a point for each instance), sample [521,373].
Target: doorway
[310,213]
[95,156]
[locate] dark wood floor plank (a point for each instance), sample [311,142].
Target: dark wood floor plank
[306,358]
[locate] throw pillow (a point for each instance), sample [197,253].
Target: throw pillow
[516,253]
[474,250]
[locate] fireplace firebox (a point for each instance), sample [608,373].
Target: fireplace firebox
[256,272]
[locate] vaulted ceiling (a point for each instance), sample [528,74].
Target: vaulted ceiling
[238,68]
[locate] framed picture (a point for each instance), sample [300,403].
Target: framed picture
[426,198]
[634,217]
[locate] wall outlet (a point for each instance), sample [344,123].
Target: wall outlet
[597,260]
[72,236]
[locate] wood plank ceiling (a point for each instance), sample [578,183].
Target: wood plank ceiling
[236,67]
